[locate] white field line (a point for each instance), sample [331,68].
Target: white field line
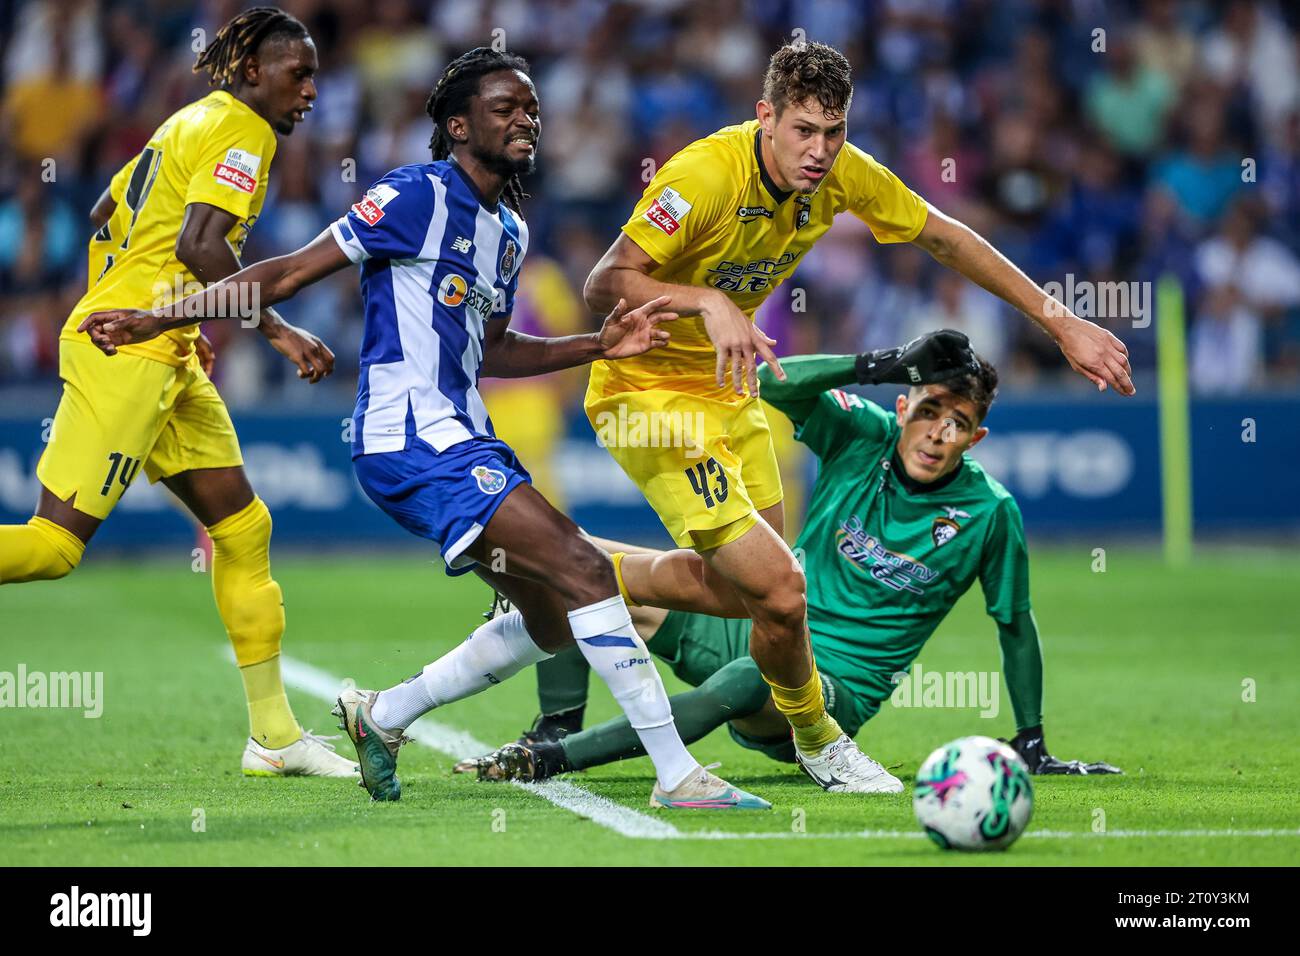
[1030,835]
[630,823]
[456,743]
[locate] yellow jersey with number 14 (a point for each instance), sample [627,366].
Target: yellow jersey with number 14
[713,216]
[217,151]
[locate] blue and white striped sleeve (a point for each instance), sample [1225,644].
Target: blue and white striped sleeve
[390,221]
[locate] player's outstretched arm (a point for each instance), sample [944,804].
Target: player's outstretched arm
[201,245]
[1091,351]
[242,295]
[1022,666]
[1022,663]
[510,354]
[807,376]
[933,357]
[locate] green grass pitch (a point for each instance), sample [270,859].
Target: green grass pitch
[1189,680]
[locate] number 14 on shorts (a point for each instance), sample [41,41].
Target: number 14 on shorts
[123,468]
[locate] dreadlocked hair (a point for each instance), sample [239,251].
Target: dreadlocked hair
[240,37]
[451,95]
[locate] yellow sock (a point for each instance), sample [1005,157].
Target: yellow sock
[39,550]
[617,557]
[270,721]
[252,608]
[805,708]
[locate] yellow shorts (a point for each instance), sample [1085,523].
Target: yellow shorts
[706,467]
[119,412]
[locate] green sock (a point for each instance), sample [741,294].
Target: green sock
[736,690]
[562,682]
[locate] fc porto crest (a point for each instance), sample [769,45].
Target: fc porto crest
[945,529]
[805,210]
[490,481]
[508,260]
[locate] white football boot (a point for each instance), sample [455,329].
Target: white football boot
[841,767]
[309,756]
[701,790]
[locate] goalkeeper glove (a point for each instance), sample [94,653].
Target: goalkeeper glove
[1032,749]
[933,357]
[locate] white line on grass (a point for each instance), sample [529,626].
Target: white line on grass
[630,823]
[457,743]
[1030,835]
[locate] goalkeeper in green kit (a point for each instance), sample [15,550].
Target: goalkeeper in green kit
[900,524]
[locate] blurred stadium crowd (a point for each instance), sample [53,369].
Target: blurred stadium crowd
[1174,150]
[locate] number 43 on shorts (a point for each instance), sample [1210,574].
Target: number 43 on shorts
[713,492]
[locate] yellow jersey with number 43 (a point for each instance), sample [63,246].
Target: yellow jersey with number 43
[713,216]
[216,150]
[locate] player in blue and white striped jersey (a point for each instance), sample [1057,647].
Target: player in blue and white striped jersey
[440,245]
[419,230]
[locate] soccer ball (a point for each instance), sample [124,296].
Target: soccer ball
[973,794]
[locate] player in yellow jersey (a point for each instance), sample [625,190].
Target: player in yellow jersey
[177,213]
[722,224]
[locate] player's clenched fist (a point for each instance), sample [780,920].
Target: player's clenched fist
[115,327]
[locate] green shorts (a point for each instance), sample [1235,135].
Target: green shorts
[697,646]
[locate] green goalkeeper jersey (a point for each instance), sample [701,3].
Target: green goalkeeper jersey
[887,557]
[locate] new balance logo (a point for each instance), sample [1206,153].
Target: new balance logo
[461,244]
